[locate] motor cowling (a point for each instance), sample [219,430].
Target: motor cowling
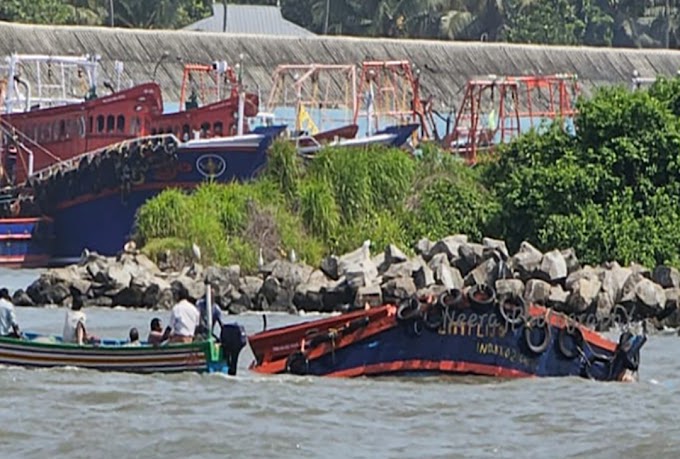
[233,339]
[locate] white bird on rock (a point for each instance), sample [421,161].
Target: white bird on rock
[260,259]
[196,250]
[292,256]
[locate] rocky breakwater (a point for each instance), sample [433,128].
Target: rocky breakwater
[555,279]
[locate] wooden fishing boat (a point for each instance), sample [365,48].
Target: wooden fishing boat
[457,333]
[44,351]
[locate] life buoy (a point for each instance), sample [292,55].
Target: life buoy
[297,364]
[512,309]
[536,324]
[481,295]
[570,341]
[434,317]
[408,309]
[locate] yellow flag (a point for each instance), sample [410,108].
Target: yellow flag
[306,122]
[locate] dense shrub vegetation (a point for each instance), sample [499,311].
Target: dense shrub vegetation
[612,192]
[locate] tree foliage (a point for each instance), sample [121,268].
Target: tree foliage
[652,23]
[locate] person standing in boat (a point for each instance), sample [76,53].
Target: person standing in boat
[156,335]
[8,319]
[74,325]
[184,318]
[202,329]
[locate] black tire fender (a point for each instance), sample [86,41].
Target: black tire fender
[408,309]
[297,364]
[513,309]
[481,295]
[564,337]
[533,324]
[434,317]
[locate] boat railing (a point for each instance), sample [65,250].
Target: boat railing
[73,162]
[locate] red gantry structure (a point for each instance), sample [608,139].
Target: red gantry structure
[497,108]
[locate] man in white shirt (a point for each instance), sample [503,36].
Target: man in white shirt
[74,325]
[183,319]
[8,320]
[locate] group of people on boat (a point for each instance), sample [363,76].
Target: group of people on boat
[188,322]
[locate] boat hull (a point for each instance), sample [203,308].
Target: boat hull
[25,242]
[103,220]
[194,357]
[474,341]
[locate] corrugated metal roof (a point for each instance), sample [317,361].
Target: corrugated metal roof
[249,19]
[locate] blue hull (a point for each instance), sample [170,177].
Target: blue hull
[25,242]
[475,340]
[103,221]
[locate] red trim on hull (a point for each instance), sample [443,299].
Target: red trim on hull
[110,192]
[441,366]
[24,261]
[24,220]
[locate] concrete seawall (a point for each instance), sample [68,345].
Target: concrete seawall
[446,66]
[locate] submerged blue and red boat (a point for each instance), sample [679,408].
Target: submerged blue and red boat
[455,334]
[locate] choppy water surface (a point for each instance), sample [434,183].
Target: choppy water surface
[84,414]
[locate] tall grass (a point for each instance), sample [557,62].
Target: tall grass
[330,204]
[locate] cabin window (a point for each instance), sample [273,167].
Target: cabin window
[205,130]
[62,129]
[218,128]
[110,123]
[120,123]
[134,125]
[90,123]
[100,123]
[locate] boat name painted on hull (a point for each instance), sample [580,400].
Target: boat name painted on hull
[506,352]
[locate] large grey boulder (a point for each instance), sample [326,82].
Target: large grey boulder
[553,267]
[329,265]
[486,273]
[449,277]
[526,261]
[470,255]
[394,254]
[449,246]
[423,276]
[614,280]
[650,296]
[509,288]
[666,276]
[423,248]
[537,291]
[583,294]
[495,245]
[398,289]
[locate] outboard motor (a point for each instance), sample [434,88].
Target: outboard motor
[233,339]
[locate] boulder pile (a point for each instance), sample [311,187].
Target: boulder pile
[555,279]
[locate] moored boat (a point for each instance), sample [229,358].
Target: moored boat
[454,334]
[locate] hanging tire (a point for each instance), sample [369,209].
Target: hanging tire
[512,309]
[434,317]
[451,299]
[408,309]
[542,345]
[569,342]
[481,295]
[297,364]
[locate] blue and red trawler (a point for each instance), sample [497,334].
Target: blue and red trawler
[454,334]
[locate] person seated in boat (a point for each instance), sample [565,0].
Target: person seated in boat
[156,335]
[8,320]
[74,325]
[202,329]
[184,318]
[134,338]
